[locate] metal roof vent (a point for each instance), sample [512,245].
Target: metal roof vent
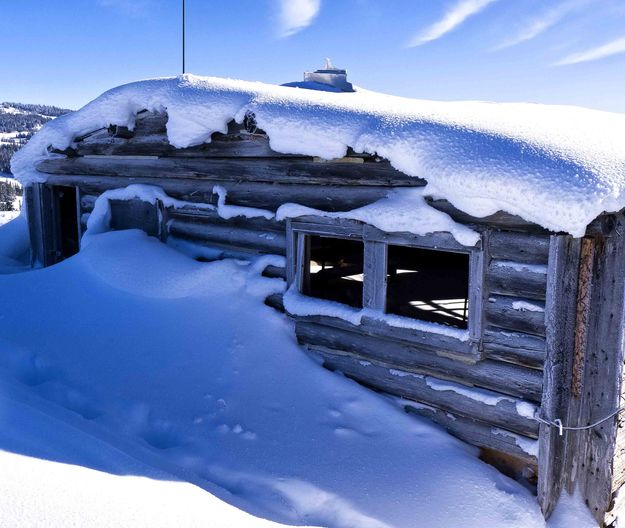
[330,76]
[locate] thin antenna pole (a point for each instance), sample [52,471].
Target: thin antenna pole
[183,38]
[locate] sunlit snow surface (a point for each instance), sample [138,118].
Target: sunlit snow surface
[558,166]
[181,369]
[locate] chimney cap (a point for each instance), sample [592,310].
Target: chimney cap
[330,75]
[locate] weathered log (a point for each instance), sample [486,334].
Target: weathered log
[274,272]
[275,301]
[514,347]
[490,407]
[269,242]
[516,314]
[148,123]
[519,247]
[249,146]
[560,311]
[441,344]
[288,171]
[480,434]
[211,216]
[260,195]
[500,220]
[603,386]
[498,376]
[518,280]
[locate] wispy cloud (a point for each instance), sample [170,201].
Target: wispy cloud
[542,23]
[614,47]
[295,15]
[455,16]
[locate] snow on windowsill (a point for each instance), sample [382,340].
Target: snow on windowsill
[303,305]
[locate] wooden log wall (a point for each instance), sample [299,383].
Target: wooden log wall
[489,402]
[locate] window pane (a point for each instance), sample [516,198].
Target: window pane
[430,285]
[334,269]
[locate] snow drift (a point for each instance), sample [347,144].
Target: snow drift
[180,364]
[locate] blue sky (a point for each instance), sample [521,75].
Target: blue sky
[66,52]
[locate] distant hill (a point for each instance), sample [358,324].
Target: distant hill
[18,122]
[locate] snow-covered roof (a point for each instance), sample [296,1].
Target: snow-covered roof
[557,166]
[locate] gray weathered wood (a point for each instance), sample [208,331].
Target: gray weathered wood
[514,347]
[134,214]
[500,311]
[499,220]
[232,145]
[603,372]
[211,216]
[32,199]
[274,272]
[375,272]
[454,398]
[440,240]
[519,247]
[494,375]
[560,309]
[269,242]
[275,301]
[477,433]
[507,278]
[259,170]
[445,345]
[260,195]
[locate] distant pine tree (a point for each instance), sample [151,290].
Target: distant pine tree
[23,120]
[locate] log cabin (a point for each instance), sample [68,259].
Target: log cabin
[500,324]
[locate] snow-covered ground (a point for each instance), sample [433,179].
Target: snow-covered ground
[56,475]
[139,387]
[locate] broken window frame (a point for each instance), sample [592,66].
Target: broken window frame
[376,244]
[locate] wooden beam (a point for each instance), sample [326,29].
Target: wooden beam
[560,309]
[269,242]
[494,375]
[259,195]
[513,279]
[490,407]
[500,220]
[286,171]
[514,347]
[602,387]
[516,314]
[478,433]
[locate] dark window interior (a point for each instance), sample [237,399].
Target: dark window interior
[68,242]
[333,269]
[429,285]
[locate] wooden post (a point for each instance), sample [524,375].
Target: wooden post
[601,394]
[583,376]
[560,316]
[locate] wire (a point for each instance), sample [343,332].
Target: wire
[561,428]
[183,39]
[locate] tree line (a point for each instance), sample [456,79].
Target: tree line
[9,191]
[24,120]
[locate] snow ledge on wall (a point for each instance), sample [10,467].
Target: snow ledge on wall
[557,166]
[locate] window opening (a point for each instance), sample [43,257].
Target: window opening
[430,285]
[333,269]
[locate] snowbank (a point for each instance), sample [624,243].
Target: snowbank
[180,364]
[558,166]
[55,484]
